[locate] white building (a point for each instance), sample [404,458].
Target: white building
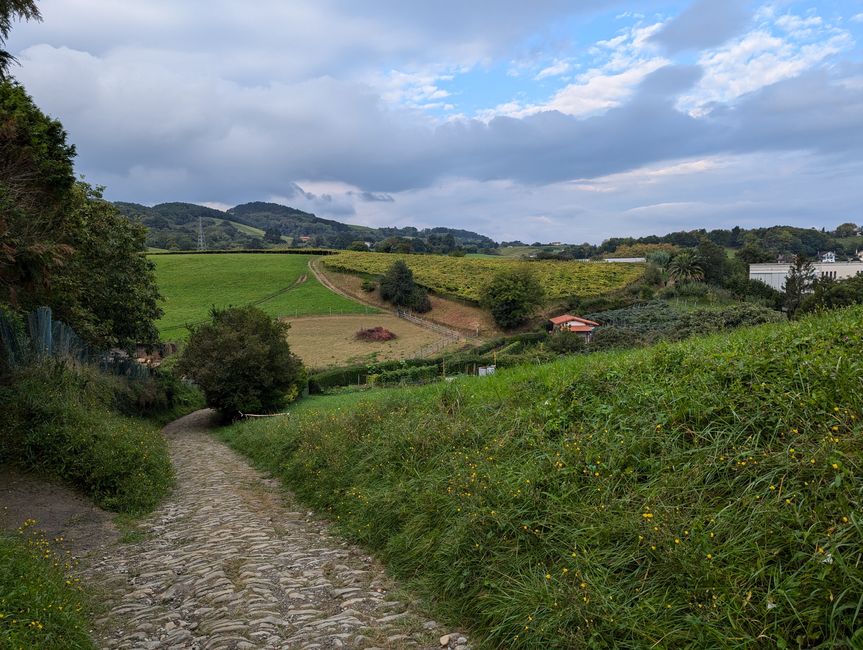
[774,275]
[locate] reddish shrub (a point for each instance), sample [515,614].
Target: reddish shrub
[375,334]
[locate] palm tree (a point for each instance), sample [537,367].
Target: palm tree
[686,267]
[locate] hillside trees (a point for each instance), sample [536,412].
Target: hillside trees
[242,362]
[512,296]
[61,245]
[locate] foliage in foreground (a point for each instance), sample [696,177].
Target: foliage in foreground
[39,606]
[698,494]
[61,422]
[242,362]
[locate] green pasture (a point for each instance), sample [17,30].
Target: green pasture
[192,284]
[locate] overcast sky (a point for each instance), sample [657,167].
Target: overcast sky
[545,120]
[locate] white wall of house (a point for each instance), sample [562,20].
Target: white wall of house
[774,275]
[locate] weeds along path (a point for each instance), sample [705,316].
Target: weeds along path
[230,561]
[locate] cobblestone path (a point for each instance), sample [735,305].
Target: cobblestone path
[230,562]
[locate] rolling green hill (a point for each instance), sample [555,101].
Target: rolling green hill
[281,285]
[705,494]
[174,226]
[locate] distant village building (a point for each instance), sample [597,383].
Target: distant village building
[625,260]
[828,258]
[773,275]
[575,324]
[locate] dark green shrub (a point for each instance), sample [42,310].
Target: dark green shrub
[368,286]
[59,422]
[420,300]
[512,296]
[566,342]
[242,362]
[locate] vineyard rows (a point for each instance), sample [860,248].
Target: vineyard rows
[465,277]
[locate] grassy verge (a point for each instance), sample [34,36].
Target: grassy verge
[60,422]
[40,607]
[699,494]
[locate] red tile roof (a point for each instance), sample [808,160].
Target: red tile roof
[568,318]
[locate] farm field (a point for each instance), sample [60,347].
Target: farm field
[326,341]
[464,277]
[450,313]
[192,283]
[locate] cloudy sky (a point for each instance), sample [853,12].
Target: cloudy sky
[544,120]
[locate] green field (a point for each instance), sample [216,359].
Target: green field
[192,283]
[705,494]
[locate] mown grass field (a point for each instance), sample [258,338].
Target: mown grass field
[465,277]
[704,494]
[192,284]
[327,341]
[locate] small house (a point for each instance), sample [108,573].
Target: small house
[572,323]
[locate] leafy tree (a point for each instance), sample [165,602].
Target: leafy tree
[565,342]
[713,261]
[828,293]
[799,281]
[847,230]
[512,296]
[36,176]
[107,288]
[686,267]
[242,362]
[13,10]
[358,245]
[398,287]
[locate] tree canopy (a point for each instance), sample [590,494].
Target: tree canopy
[512,296]
[13,10]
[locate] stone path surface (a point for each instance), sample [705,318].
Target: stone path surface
[229,561]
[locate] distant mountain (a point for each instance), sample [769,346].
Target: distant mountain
[174,226]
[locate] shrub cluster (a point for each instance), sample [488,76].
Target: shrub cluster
[60,422]
[697,494]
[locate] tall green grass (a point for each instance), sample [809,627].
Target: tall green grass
[61,422]
[41,606]
[699,494]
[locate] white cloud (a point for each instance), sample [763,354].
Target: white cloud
[762,57]
[857,18]
[556,69]
[620,64]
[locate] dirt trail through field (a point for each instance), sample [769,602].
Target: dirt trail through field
[231,561]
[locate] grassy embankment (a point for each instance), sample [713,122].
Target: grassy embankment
[192,284]
[698,494]
[465,277]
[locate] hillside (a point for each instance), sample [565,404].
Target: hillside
[464,277]
[701,494]
[174,226]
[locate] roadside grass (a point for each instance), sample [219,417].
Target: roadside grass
[698,494]
[59,422]
[192,284]
[41,605]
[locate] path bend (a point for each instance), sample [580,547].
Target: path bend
[231,561]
